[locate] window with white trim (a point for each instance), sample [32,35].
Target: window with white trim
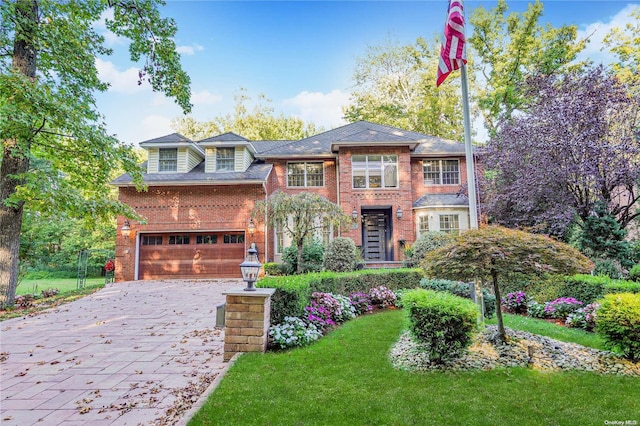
[303,174]
[441,172]
[423,224]
[168,159]
[450,223]
[374,171]
[279,238]
[225,159]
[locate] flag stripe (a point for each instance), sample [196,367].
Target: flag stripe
[452,52]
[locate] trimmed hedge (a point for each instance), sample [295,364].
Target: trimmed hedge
[618,322]
[462,290]
[443,322]
[293,292]
[589,288]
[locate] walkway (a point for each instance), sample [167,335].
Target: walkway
[134,353]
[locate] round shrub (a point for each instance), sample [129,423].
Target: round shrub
[361,302]
[293,332]
[340,255]
[515,303]
[562,307]
[584,318]
[444,323]
[382,296]
[618,322]
[634,273]
[427,242]
[463,290]
[312,255]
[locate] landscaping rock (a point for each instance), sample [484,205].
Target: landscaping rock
[487,352]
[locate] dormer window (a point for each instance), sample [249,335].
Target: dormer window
[225,159]
[168,159]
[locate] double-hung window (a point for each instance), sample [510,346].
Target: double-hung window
[168,159]
[374,171]
[450,223]
[441,172]
[305,174]
[225,159]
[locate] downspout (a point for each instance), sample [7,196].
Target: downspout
[136,266]
[266,228]
[338,188]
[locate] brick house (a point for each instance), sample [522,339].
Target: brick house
[394,183]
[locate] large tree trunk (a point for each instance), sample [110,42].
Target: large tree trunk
[15,160]
[300,247]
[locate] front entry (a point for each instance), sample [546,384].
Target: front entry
[376,235]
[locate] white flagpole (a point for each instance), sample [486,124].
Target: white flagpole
[471,176]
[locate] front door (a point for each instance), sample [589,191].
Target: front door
[376,235]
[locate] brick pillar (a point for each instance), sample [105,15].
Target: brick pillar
[246,321]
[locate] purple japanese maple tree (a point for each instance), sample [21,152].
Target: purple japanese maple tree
[575,145]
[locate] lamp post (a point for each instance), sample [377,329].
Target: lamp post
[250,269]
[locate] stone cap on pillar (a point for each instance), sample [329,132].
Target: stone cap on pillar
[258,292]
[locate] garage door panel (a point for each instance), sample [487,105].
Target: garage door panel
[190,260]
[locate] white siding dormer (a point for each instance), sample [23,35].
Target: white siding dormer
[152,160]
[210,160]
[247,159]
[182,160]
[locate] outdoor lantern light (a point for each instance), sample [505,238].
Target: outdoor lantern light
[354,214]
[251,227]
[126,229]
[250,269]
[399,213]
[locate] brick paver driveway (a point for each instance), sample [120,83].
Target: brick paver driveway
[133,353]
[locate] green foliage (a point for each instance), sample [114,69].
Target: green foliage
[602,237]
[608,267]
[340,255]
[293,332]
[260,124]
[393,85]
[461,289]
[634,273]
[618,322]
[312,255]
[274,268]
[444,323]
[589,288]
[293,292]
[427,242]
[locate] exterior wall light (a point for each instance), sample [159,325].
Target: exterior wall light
[399,213]
[251,227]
[126,229]
[250,269]
[354,214]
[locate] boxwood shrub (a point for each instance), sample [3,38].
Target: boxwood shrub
[589,288]
[443,322]
[293,292]
[462,290]
[618,322]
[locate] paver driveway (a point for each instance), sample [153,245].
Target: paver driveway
[132,353]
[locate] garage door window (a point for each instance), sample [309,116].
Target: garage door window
[207,239]
[233,238]
[178,239]
[151,240]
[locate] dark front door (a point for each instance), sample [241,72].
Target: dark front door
[376,235]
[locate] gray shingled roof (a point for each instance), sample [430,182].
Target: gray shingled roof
[441,200]
[257,172]
[226,137]
[168,139]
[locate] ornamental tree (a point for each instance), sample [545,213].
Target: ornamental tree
[299,215]
[576,147]
[493,252]
[48,78]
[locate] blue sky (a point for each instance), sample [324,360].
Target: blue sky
[300,54]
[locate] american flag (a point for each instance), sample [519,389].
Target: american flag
[452,51]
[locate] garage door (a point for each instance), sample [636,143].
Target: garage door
[191,255]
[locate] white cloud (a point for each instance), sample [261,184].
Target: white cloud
[597,31]
[324,109]
[120,81]
[189,50]
[154,126]
[204,97]
[111,39]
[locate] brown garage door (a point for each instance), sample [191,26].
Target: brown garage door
[191,255]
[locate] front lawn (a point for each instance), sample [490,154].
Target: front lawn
[346,379]
[28,286]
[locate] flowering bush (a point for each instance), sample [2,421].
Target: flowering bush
[361,302]
[535,309]
[584,318]
[562,307]
[50,292]
[319,315]
[382,296]
[348,311]
[329,301]
[515,303]
[293,332]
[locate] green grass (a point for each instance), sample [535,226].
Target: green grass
[558,332]
[63,284]
[346,379]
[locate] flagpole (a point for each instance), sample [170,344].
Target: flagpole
[471,176]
